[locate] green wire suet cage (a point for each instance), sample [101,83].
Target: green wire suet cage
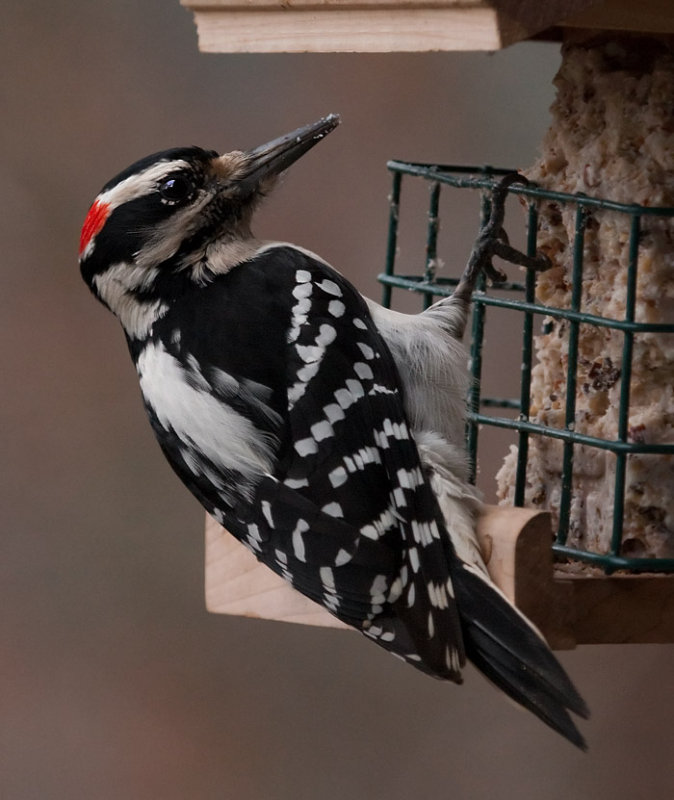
[520,299]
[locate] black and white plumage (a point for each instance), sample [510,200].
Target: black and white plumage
[322,430]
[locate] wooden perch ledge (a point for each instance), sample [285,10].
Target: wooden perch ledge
[569,609]
[318,26]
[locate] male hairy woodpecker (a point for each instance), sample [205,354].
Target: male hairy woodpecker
[322,430]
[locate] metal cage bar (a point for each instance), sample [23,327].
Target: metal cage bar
[429,285]
[476,342]
[432,240]
[626,377]
[527,359]
[571,374]
[392,242]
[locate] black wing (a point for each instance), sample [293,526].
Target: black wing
[344,511]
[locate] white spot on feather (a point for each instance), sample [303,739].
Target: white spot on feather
[298,540]
[355,387]
[333,413]
[308,353]
[266,513]
[363,371]
[330,287]
[302,290]
[379,589]
[452,659]
[333,510]
[296,483]
[306,373]
[366,350]
[321,430]
[326,335]
[327,578]
[306,447]
[413,555]
[337,477]
[336,308]
[369,531]
[411,596]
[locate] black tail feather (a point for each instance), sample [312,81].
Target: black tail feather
[511,654]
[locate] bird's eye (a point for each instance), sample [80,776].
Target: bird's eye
[176,189]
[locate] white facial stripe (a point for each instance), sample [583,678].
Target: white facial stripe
[141,183]
[167,236]
[113,287]
[223,254]
[127,276]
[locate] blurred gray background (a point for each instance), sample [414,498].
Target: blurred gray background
[115,682]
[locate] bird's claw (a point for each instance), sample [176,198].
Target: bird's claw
[493,241]
[494,273]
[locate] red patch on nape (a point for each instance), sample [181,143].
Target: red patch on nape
[94,221]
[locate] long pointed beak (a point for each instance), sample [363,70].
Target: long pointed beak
[272,158]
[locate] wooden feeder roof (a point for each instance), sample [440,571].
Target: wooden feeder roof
[275,26]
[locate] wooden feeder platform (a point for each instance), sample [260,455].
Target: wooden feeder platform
[569,608]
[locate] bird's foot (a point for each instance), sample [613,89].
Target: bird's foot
[491,241]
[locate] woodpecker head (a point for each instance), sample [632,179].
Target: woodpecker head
[149,231]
